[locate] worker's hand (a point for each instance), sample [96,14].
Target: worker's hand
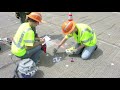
[75,51]
[42,40]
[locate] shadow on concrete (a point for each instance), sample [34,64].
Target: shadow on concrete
[95,54]
[54,37]
[47,59]
[62,55]
[39,74]
[3,48]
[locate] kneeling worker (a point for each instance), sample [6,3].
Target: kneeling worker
[83,35]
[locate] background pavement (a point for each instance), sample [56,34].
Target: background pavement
[104,63]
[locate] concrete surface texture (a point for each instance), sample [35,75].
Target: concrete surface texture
[104,63]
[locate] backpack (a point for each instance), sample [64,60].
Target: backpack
[25,69]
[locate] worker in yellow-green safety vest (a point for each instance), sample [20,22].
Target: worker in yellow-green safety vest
[22,17]
[83,35]
[24,44]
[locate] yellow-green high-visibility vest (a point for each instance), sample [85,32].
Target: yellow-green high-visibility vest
[23,37]
[85,35]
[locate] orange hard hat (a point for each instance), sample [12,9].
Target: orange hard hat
[68,27]
[35,16]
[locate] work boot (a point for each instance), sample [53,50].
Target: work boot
[96,47]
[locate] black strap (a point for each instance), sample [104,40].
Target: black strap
[16,73]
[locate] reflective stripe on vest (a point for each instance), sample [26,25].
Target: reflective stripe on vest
[20,40]
[29,41]
[86,29]
[18,46]
[85,41]
[90,31]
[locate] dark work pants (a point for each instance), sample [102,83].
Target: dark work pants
[33,54]
[86,52]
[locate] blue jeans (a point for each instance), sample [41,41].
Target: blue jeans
[33,54]
[86,52]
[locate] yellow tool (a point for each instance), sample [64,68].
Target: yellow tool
[70,50]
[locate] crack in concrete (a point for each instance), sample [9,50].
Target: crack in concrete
[108,43]
[83,17]
[114,25]
[5,66]
[85,20]
[111,27]
[99,20]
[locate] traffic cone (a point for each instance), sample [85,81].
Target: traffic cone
[70,18]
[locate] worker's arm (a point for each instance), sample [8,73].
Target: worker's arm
[62,42]
[37,43]
[37,39]
[81,46]
[42,40]
[30,41]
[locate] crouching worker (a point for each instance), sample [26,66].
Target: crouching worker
[24,44]
[83,35]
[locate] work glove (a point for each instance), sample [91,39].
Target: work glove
[74,51]
[70,51]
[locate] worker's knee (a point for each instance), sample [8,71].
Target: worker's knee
[38,48]
[85,57]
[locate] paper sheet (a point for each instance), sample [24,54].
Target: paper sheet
[46,39]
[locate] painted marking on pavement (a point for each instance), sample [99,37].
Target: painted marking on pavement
[57,59]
